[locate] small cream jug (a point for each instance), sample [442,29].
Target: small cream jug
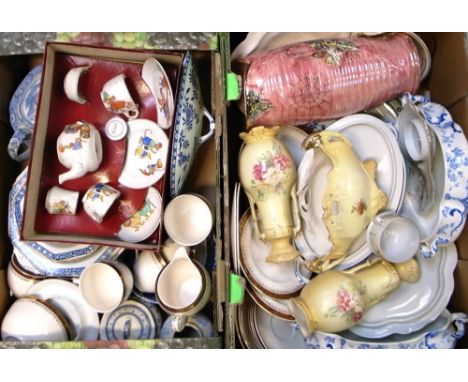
[336,300]
[79,148]
[268,176]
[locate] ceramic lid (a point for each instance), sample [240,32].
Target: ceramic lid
[131,320]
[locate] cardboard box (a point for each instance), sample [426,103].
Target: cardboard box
[204,178]
[55,111]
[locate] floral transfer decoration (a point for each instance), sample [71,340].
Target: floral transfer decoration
[77,144]
[99,191]
[360,207]
[117,106]
[270,172]
[61,207]
[140,217]
[349,307]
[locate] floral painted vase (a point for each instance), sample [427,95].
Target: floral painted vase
[268,176]
[336,300]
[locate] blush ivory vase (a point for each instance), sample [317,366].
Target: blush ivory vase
[336,300]
[268,176]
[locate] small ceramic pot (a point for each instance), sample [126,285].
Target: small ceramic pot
[104,286]
[71,84]
[31,319]
[117,99]
[188,219]
[61,202]
[98,200]
[79,148]
[146,269]
[393,237]
[19,279]
[183,288]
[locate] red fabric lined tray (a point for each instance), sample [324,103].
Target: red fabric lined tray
[63,112]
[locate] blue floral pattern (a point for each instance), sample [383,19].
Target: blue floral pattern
[454,206]
[187,126]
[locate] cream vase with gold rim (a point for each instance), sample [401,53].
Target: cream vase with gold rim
[336,300]
[268,176]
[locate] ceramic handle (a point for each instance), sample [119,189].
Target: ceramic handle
[212,123]
[19,146]
[260,235]
[179,323]
[295,211]
[459,320]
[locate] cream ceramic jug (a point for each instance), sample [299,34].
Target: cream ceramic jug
[79,148]
[268,176]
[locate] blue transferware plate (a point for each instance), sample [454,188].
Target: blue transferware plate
[23,107]
[188,125]
[131,320]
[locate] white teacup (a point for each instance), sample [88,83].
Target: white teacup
[146,269]
[31,319]
[98,200]
[61,202]
[183,288]
[79,148]
[19,279]
[104,286]
[188,219]
[117,99]
[71,84]
[395,238]
[169,249]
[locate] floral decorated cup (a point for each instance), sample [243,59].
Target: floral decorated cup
[98,200]
[117,99]
[79,148]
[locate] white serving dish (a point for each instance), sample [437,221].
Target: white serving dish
[413,305]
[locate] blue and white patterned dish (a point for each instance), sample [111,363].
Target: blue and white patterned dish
[450,170]
[413,305]
[49,259]
[201,325]
[132,320]
[23,108]
[442,333]
[188,125]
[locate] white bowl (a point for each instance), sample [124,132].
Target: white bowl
[30,319]
[19,279]
[188,220]
[146,270]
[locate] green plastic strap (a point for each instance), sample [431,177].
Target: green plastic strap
[232,87]
[236,289]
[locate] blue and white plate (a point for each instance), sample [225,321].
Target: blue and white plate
[132,320]
[49,259]
[23,108]
[201,327]
[445,219]
[188,125]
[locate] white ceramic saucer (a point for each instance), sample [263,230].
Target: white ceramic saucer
[146,157]
[412,306]
[371,139]
[156,78]
[273,306]
[274,333]
[292,137]
[275,280]
[67,298]
[144,222]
